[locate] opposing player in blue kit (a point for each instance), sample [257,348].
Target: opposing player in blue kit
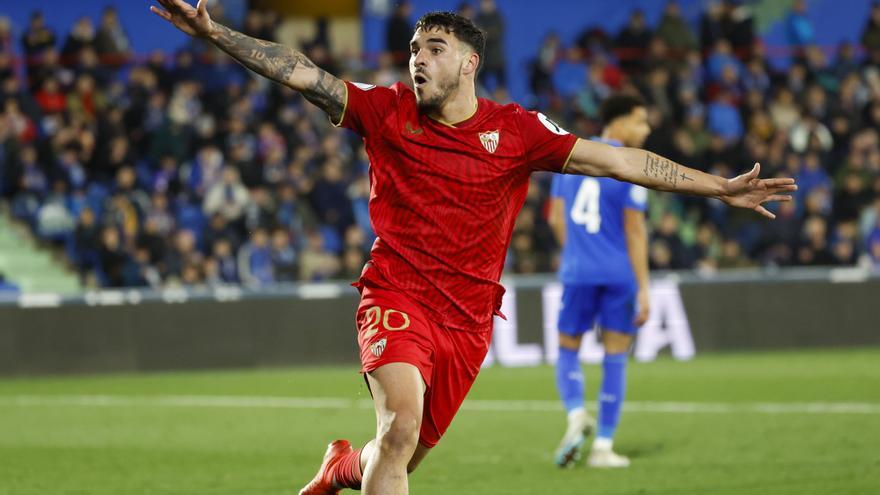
[600,223]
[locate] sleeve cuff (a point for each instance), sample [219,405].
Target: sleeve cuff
[570,153]
[344,108]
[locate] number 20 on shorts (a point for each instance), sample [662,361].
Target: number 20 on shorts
[374,315]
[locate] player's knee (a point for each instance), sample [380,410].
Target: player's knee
[616,342]
[399,435]
[572,342]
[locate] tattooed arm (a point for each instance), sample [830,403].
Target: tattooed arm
[654,171]
[284,65]
[274,61]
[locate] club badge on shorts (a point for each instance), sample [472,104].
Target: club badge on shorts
[378,347]
[489,140]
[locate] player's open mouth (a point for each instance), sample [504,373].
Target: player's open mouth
[419,80]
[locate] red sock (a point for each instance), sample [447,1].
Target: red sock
[347,472]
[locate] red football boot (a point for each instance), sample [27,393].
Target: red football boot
[322,484]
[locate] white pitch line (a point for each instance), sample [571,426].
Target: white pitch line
[268,402]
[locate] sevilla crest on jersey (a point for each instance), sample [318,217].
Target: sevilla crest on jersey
[489,140]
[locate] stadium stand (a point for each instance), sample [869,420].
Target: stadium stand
[181,169]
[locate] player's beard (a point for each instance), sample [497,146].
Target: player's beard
[445,89]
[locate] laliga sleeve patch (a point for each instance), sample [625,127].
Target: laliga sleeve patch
[364,86]
[550,125]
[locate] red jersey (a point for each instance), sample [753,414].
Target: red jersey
[444,199]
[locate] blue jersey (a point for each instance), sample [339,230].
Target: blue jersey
[595,250]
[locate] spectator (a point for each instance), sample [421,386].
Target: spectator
[33,183]
[226,264]
[139,272]
[706,248]
[722,58]
[86,243]
[352,263]
[17,124]
[85,101]
[674,30]
[192,275]
[540,80]
[330,198]
[570,74]
[783,110]
[809,134]
[255,260]
[159,213]
[111,258]
[846,61]
[111,41]
[54,221]
[151,241]
[294,213]
[38,37]
[493,66]
[667,249]
[755,77]
[69,169]
[82,36]
[398,34]
[632,41]
[316,263]
[466,10]
[6,46]
[799,29]
[183,253]
[732,256]
[260,209]
[710,25]
[228,197]
[724,118]
[871,33]
[812,176]
[283,257]
[814,249]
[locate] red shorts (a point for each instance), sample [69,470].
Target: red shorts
[393,329]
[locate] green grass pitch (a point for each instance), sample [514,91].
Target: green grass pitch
[799,422]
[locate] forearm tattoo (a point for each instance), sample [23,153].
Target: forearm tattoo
[278,62]
[665,170]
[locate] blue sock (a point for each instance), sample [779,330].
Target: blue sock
[611,393]
[570,379]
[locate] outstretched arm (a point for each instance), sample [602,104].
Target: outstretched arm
[277,62]
[656,172]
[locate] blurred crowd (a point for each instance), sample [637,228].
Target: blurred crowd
[720,100]
[183,169]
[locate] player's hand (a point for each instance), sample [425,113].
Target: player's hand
[748,191]
[193,21]
[644,304]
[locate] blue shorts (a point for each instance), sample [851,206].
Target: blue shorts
[612,305]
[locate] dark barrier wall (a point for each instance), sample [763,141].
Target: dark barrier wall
[162,336]
[787,314]
[267,331]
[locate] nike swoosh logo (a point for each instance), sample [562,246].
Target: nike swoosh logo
[414,130]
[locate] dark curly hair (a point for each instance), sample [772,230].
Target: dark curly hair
[619,105]
[462,27]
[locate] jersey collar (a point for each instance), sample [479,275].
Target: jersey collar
[462,123]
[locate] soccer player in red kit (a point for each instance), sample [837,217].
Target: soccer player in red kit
[449,173]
